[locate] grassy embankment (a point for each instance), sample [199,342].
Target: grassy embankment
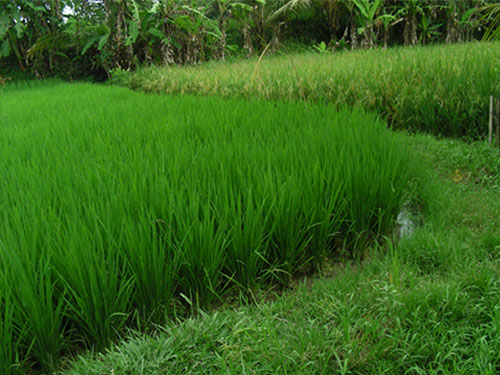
[120,208]
[437,89]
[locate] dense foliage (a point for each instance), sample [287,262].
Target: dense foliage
[77,38]
[111,213]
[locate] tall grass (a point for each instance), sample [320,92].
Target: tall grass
[114,204]
[439,89]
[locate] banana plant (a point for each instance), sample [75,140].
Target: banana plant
[410,10]
[237,10]
[12,31]
[264,24]
[16,32]
[223,8]
[428,30]
[242,14]
[386,21]
[367,11]
[96,35]
[199,33]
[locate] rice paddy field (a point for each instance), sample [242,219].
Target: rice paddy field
[122,209]
[442,89]
[255,223]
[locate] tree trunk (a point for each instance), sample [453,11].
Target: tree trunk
[354,35]
[222,28]
[332,19]
[259,27]
[167,54]
[410,30]
[223,43]
[15,48]
[275,39]
[386,37]
[452,29]
[406,32]
[167,51]
[248,45]
[368,37]
[414,39]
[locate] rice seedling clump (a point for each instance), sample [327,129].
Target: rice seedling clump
[116,203]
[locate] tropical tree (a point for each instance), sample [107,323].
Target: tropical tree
[74,38]
[410,10]
[428,30]
[366,12]
[391,16]
[241,13]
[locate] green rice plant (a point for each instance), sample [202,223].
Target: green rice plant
[428,304]
[119,206]
[200,270]
[247,251]
[9,338]
[38,307]
[99,291]
[153,263]
[441,89]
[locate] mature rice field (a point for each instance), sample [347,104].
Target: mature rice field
[119,207]
[438,89]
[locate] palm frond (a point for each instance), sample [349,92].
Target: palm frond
[48,42]
[492,14]
[289,6]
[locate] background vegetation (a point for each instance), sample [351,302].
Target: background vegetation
[82,38]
